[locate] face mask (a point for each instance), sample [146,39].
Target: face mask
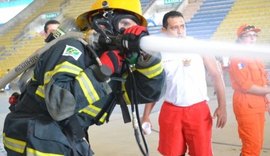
[110,25]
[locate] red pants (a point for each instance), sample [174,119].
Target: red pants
[251,133]
[182,127]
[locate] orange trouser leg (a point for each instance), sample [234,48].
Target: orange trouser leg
[251,133]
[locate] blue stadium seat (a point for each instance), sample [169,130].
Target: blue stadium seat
[154,29]
[145,3]
[205,22]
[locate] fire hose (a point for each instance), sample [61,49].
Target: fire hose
[152,44]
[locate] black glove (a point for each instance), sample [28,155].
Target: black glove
[101,73]
[131,38]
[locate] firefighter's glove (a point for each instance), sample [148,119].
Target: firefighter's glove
[131,42]
[102,73]
[13,99]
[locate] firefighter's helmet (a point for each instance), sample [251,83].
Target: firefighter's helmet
[131,6]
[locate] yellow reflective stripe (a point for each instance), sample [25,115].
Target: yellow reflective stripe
[14,144]
[125,95]
[90,110]
[63,67]
[93,111]
[87,88]
[102,119]
[152,71]
[40,91]
[33,152]
[33,79]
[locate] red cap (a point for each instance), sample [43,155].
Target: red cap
[246,28]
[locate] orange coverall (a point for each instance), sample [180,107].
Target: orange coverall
[248,108]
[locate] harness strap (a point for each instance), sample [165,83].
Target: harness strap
[124,110]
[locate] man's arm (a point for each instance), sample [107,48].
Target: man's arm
[259,90]
[267,96]
[147,111]
[220,112]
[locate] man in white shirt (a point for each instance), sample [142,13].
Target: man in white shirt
[185,120]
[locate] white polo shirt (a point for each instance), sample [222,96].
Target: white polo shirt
[185,79]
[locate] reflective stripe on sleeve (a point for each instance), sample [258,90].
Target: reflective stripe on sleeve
[90,110]
[14,144]
[85,83]
[102,119]
[151,71]
[93,111]
[33,152]
[63,67]
[87,88]
[40,91]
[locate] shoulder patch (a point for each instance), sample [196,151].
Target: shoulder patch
[72,51]
[240,65]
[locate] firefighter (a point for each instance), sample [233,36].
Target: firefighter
[72,88]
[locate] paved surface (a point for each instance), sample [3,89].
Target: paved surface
[117,139]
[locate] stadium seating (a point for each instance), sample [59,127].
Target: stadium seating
[216,20]
[207,19]
[191,9]
[17,51]
[145,4]
[254,12]
[75,7]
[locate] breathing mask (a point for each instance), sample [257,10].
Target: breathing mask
[109,26]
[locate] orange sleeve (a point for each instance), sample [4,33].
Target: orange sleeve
[240,75]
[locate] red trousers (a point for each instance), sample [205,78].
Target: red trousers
[182,127]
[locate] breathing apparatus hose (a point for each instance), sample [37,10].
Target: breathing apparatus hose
[136,116]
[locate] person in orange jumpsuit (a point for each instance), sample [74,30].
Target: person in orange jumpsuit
[249,81]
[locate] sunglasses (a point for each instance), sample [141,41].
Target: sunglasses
[249,27]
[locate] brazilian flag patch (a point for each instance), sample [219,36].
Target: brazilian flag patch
[72,51]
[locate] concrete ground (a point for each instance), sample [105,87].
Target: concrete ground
[117,139]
